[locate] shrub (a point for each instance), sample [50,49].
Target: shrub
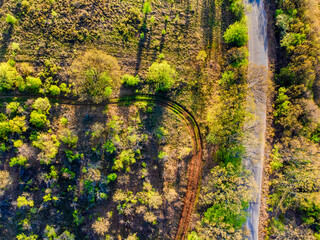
[64,88]
[126,158]
[33,84]
[38,119]
[237,34]
[95,73]
[112,177]
[5,181]
[20,160]
[237,7]
[202,56]
[11,19]
[107,92]
[15,125]
[50,233]
[9,77]
[162,155]
[54,90]
[146,7]
[25,69]
[109,147]
[130,80]
[227,78]
[13,107]
[77,218]
[132,237]
[22,201]
[18,143]
[22,236]
[49,145]
[162,75]
[238,57]
[64,121]
[42,105]
[69,138]
[101,226]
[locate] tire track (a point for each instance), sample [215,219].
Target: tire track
[195,165]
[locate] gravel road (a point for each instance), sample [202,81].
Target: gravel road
[258,65]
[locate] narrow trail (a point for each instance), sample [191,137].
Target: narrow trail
[258,82]
[195,164]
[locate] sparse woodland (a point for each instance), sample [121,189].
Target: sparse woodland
[77,164]
[294,197]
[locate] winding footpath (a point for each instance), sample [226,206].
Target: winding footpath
[195,164]
[257,79]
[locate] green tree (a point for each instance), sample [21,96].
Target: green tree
[50,233]
[54,90]
[146,7]
[112,177]
[130,80]
[20,160]
[162,75]
[237,34]
[33,84]
[42,105]
[23,201]
[49,145]
[11,19]
[95,73]
[125,159]
[9,77]
[38,119]
[15,125]
[22,236]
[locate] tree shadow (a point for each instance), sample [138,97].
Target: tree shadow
[163,37]
[6,36]
[141,45]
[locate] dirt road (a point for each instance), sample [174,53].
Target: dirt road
[258,73]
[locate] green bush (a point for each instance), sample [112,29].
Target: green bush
[64,121]
[64,88]
[162,75]
[38,119]
[13,108]
[238,56]
[54,90]
[15,125]
[125,159]
[227,78]
[146,7]
[130,80]
[48,144]
[22,236]
[11,19]
[237,7]
[9,77]
[107,92]
[22,201]
[33,84]
[69,138]
[109,147]
[237,34]
[20,160]
[112,177]
[42,105]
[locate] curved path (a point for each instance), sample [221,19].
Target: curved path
[195,164]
